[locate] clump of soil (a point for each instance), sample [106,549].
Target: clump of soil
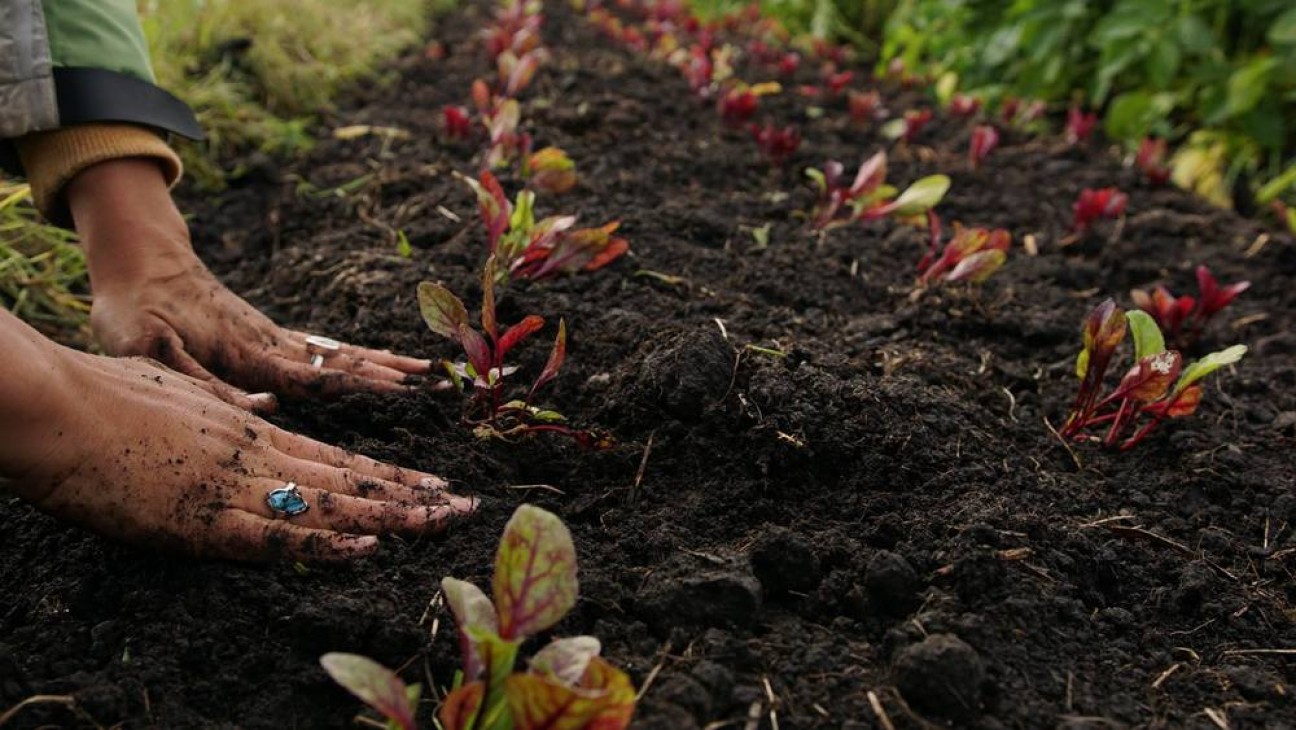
[864,520]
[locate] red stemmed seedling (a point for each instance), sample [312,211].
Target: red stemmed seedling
[549,170]
[1158,386]
[566,686]
[864,106]
[524,248]
[1150,160]
[777,144]
[868,197]
[789,63]
[486,370]
[1079,125]
[962,106]
[1094,204]
[985,138]
[836,82]
[458,122]
[1184,318]
[915,121]
[972,254]
[516,28]
[506,142]
[739,102]
[516,72]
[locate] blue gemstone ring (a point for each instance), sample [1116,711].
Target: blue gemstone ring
[287,501]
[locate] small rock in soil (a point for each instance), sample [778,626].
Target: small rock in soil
[891,583]
[784,561]
[687,693]
[941,676]
[653,715]
[692,592]
[1194,584]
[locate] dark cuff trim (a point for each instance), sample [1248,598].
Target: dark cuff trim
[98,95]
[88,95]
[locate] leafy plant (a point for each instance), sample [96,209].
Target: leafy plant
[486,369]
[1157,387]
[739,102]
[567,685]
[868,197]
[1150,160]
[549,170]
[1094,204]
[1080,125]
[524,248]
[963,106]
[972,255]
[864,106]
[777,144]
[457,122]
[985,138]
[1184,318]
[507,143]
[915,121]
[516,72]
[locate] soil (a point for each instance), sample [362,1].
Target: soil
[873,527]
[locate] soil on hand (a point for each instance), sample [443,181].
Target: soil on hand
[831,503]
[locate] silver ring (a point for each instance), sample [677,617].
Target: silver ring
[287,501]
[322,344]
[317,361]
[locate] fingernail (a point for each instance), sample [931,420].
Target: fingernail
[433,483]
[264,401]
[464,505]
[364,544]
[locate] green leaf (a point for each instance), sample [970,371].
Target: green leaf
[1193,35]
[922,196]
[1147,337]
[443,312]
[535,573]
[374,684]
[1277,186]
[1283,30]
[1248,85]
[1208,365]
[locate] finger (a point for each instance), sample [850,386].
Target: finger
[345,513]
[302,379]
[385,358]
[169,349]
[356,365]
[309,449]
[241,535]
[345,480]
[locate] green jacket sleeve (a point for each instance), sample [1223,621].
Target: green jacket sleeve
[69,62]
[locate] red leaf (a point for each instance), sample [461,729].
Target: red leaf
[443,312]
[479,353]
[604,700]
[517,333]
[489,323]
[985,139]
[1177,406]
[1079,125]
[556,357]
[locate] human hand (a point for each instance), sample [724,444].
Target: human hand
[154,297]
[143,454]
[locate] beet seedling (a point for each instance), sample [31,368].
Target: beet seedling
[776,144]
[868,197]
[567,685]
[1150,160]
[1184,318]
[1157,387]
[485,369]
[1094,204]
[972,254]
[962,106]
[458,122]
[864,106]
[1079,125]
[549,170]
[985,139]
[525,248]
[739,102]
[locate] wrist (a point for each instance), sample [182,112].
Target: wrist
[129,225]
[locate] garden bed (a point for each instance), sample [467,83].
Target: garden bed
[789,531]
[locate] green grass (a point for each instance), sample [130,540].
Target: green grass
[255,74]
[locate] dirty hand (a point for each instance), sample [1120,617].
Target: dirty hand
[154,297]
[140,453]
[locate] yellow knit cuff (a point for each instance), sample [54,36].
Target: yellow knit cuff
[51,159]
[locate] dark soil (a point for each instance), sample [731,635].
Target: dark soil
[877,524]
